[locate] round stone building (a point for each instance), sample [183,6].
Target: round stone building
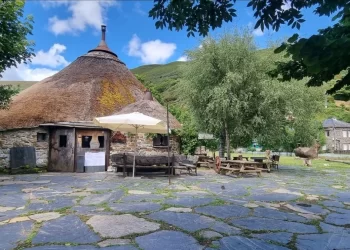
[54,116]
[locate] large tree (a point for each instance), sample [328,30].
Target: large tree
[15,48]
[229,93]
[320,57]
[221,83]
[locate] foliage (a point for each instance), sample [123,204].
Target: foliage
[189,131]
[6,92]
[201,15]
[222,86]
[320,57]
[14,29]
[297,102]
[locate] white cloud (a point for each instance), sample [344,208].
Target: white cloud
[24,73]
[182,59]
[83,14]
[50,60]
[151,52]
[138,9]
[258,32]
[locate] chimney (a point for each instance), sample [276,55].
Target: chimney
[103,29]
[148,95]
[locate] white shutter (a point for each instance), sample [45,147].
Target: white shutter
[345,146]
[345,133]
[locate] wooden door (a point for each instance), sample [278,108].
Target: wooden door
[62,146]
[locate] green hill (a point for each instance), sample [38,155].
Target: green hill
[22,85]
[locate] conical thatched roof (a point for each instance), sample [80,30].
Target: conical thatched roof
[95,84]
[149,106]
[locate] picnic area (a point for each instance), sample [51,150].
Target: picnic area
[289,208]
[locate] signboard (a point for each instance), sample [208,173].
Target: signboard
[94,159]
[204,136]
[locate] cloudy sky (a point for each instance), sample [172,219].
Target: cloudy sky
[66,29]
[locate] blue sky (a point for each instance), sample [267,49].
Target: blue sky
[66,29]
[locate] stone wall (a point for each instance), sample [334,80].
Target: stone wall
[24,138]
[145,146]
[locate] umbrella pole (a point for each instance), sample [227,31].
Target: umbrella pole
[167,123]
[134,162]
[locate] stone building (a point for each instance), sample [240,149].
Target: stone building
[337,135]
[55,115]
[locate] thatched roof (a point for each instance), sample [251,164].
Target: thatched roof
[95,84]
[149,106]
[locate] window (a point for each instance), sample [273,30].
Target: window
[63,141]
[85,142]
[40,137]
[327,133]
[101,140]
[345,133]
[346,147]
[160,140]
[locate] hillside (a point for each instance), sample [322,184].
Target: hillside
[22,85]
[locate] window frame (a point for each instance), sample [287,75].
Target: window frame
[39,135]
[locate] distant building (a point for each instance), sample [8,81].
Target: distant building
[338,135]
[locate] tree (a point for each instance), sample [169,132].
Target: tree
[320,57]
[14,46]
[6,92]
[222,87]
[293,111]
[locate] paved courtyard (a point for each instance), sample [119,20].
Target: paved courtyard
[293,208]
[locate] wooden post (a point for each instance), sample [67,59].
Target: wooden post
[167,123]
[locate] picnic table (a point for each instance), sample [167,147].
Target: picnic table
[239,167]
[266,165]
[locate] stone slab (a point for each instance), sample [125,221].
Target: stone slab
[259,224]
[115,226]
[225,211]
[44,216]
[338,219]
[142,197]
[179,209]
[242,243]
[169,240]
[333,204]
[323,241]
[135,207]
[282,238]
[189,202]
[273,197]
[66,229]
[113,242]
[96,199]
[207,234]
[10,234]
[275,214]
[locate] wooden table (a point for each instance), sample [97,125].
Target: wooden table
[266,165]
[241,167]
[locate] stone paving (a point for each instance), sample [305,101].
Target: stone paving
[293,208]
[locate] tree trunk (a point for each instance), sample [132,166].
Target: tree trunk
[228,148]
[222,145]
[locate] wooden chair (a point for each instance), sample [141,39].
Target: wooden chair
[275,161]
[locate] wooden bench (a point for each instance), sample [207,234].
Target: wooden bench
[124,163]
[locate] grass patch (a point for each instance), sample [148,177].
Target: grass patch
[27,243]
[292,243]
[218,202]
[64,210]
[105,207]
